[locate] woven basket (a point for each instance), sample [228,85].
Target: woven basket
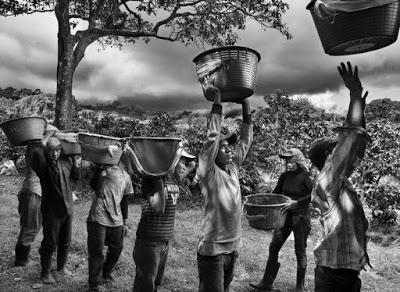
[20,131]
[264,210]
[359,31]
[233,69]
[100,154]
[69,142]
[99,140]
[155,156]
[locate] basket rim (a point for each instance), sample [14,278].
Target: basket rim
[154,138]
[22,118]
[265,194]
[210,51]
[99,136]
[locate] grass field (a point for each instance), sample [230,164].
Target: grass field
[181,271]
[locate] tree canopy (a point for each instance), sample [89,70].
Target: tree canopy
[114,22]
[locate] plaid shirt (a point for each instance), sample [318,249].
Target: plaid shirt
[344,243]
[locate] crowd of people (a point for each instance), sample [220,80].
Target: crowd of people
[45,199]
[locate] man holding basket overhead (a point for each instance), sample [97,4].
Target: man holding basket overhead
[218,174]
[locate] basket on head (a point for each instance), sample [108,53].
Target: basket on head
[23,130]
[155,156]
[358,31]
[263,210]
[69,142]
[233,69]
[100,149]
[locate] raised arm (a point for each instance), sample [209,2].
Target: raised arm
[210,147]
[352,139]
[246,134]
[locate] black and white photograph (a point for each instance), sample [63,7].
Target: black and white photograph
[200,145]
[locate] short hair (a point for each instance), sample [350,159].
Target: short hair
[319,151]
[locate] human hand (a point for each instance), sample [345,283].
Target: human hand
[291,204]
[125,229]
[351,79]
[210,90]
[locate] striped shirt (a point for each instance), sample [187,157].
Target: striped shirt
[344,243]
[154,226]
[221,227]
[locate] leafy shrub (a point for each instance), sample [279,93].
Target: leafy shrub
[383,201]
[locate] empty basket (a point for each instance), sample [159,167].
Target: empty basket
[155,156]
[358,31]
[233,69]
[264,210]
[20,131]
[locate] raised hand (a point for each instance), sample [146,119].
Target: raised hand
[355,115]
[210,90]
[350,78]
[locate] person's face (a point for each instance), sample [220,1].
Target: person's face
[53,153]
[291,166]
[225,154]
[181,168]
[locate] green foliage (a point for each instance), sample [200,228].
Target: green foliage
[383,201]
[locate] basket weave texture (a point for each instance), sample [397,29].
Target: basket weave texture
[20,131]
[359,31]
[155,156]
[263,210]
[233,69]
[95,148]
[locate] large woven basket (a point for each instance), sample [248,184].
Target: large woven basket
[23,130]
[95,148]
[233,69]
[155,156]
[263,210]
[359,31]
[101,154]
[69,142]
[99,140]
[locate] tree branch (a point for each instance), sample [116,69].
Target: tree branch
[27,13]
[127,33]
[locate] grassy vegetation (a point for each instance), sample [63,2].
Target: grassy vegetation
[181,271]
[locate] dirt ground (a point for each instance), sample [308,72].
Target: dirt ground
[181,270]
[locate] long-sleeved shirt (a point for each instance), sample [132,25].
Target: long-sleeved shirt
[55,179]
[221,227]
[343,244]
[296,185]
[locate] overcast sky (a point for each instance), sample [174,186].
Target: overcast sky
[161,75]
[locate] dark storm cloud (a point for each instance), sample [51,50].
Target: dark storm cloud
[162,75]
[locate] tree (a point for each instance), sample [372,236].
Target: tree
[112,22]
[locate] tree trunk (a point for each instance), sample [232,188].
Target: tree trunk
[65,75]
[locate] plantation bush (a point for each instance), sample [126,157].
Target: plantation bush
[282,123]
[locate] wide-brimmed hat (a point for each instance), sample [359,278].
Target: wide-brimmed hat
[295,155]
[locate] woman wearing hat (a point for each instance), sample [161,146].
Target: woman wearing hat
[295,183]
